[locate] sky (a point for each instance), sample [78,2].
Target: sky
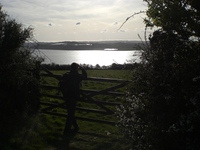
[79,20]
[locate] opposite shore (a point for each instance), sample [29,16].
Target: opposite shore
[91,45]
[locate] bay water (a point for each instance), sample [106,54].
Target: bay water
[91,57]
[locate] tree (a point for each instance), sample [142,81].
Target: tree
[163,107]
[19,76]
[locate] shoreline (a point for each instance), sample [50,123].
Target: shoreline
[102,45]
[114,66]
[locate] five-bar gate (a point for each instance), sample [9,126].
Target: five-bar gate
[101,101]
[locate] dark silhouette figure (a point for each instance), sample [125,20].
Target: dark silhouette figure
[72,95]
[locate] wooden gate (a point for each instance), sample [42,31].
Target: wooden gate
[101,102]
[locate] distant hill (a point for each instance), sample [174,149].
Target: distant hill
[91,45]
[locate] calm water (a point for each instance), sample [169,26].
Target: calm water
[91,57]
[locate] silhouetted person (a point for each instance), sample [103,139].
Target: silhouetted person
[73,95]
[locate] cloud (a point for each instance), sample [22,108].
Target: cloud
[65,14]
[115,23]
[65,9]
[122,30]
[104,31]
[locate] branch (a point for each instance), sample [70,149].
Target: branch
[129,18]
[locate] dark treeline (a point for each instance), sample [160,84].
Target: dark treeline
[113,66]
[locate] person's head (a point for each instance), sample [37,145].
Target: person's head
[74,66]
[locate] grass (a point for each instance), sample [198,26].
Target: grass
[46,131]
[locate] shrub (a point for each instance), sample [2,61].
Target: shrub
[19,76]
[162,109]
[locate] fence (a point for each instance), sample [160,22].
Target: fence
[101,102]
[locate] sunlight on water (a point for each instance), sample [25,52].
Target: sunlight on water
[91,57]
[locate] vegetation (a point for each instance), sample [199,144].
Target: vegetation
[162,107]
[162,111]
[18,78]
[113,66]
[46,131]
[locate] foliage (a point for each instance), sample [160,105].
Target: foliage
[18,76]
[113,66]
[162,109]
[177,17]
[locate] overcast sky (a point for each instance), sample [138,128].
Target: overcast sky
[75,20]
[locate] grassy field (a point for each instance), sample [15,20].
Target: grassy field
[46,131]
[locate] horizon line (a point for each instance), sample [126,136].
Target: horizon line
[89,41]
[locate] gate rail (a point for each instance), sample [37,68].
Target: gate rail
[105,108]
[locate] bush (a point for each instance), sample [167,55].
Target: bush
[162,109]
[19,76]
